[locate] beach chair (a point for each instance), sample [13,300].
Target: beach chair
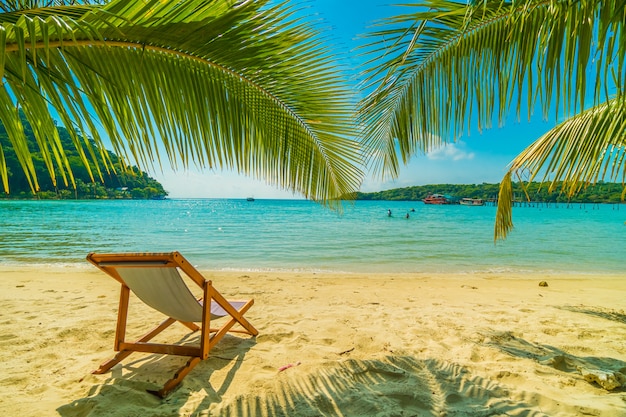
[156,280]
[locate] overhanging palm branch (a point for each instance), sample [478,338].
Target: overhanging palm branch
[437,68]
[588,147]
[243,85]
[447,65]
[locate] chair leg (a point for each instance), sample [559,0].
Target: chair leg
[177,378]
[104,367]
[248,328]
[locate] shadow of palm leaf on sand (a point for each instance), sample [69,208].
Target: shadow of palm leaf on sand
[598,312]
[393,386]
[128,382]
[607,373]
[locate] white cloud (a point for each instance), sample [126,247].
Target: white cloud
[451,152]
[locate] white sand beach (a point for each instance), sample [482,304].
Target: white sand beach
[360,345]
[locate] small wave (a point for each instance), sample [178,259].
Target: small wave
[9,265]
[279,270]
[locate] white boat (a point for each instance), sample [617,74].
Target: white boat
[472,202]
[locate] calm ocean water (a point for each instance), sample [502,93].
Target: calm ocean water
[298,235]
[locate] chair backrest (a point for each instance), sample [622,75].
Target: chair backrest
[163,289]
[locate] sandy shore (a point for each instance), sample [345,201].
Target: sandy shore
[379,345]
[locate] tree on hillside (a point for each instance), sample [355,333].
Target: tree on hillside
[243,85]
[112,183]
[443,64]
[602,192]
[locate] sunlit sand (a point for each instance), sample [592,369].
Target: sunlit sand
[346,345]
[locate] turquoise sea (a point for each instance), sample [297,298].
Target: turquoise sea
[298,235]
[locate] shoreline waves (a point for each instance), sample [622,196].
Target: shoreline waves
[499,274]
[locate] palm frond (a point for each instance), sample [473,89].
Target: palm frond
[217,84]
[584,149]
[504,212]
[446,64]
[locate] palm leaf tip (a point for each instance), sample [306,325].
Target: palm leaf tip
[504,215]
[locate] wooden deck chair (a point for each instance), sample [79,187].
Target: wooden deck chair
[155,279]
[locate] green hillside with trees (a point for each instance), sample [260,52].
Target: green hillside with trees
[128,183]
[599,193]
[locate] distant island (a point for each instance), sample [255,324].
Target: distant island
[601,192]
[131,183]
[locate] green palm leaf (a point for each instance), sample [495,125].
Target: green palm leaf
[218,84]
[437,68]
[586,148]
[446,65]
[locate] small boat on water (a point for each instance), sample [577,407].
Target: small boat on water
[437,199]
[250,199]
[472,202]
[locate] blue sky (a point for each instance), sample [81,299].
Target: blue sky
[476,158]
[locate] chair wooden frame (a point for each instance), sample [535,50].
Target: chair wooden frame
[109,263]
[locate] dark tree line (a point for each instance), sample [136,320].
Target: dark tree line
[598,193]
[127,183]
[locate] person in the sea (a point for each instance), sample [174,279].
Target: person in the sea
[407,215]
[389,213]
